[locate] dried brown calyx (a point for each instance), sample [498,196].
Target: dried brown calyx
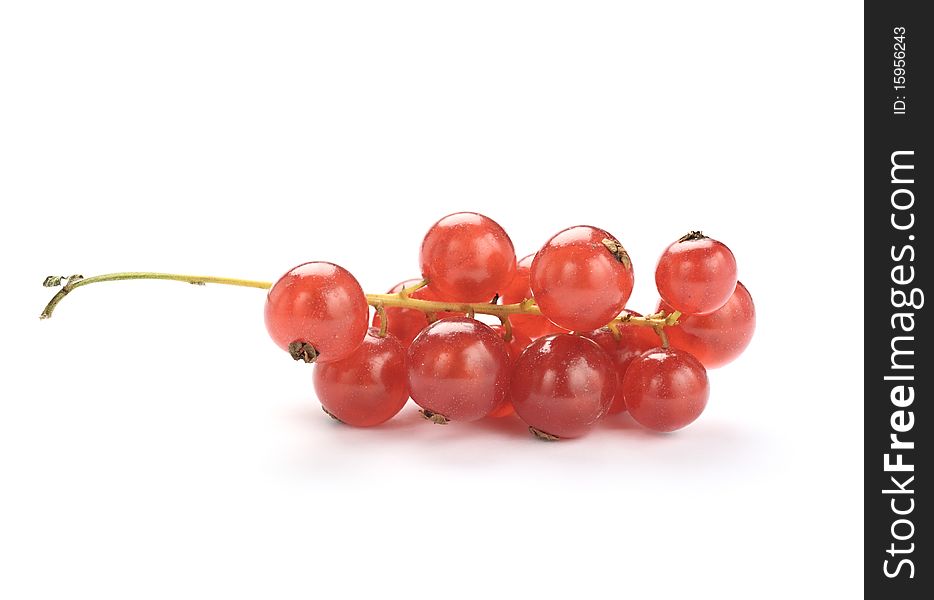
[303,351]
[547,437]
[434,417]
[618,252]
[692,236]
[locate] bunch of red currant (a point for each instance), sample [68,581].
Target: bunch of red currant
[566,352]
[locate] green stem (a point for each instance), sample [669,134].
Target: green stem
[75,281]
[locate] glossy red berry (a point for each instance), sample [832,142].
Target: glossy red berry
[665,389]
[318,312]
[369,386]
[519,289]
[467,257]
[719,337]
[458,369]
[632,342]
[696,274]
[581,278]
[562,384]
[515,345]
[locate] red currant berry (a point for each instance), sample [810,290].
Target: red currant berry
[467,257]
[458,369]
[719,337]
[519,289]
[562,384]
[317,312]
[516,344]
[665,389]
[368,387]
[581,278]
[696,274]
[632,342]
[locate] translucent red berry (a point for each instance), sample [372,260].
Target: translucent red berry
[665,389]
[515,345]
[458,369]
[719,337]
[581,278]
[631,343]
[467,257]
[696,274]
[318,312]
[519,289]
[369,386]
[562,384]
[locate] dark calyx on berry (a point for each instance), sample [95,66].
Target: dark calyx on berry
[303,351]
[434,417]
[617,250]
[330,414]
[545,437]
[692,236]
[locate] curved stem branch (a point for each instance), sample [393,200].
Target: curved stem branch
[404,292]
[660,331]
[380,301]
[507,328]
[383,319]
[76,281]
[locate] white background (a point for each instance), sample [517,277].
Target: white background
[155,444]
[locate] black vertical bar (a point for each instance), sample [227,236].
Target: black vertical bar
[898,366]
